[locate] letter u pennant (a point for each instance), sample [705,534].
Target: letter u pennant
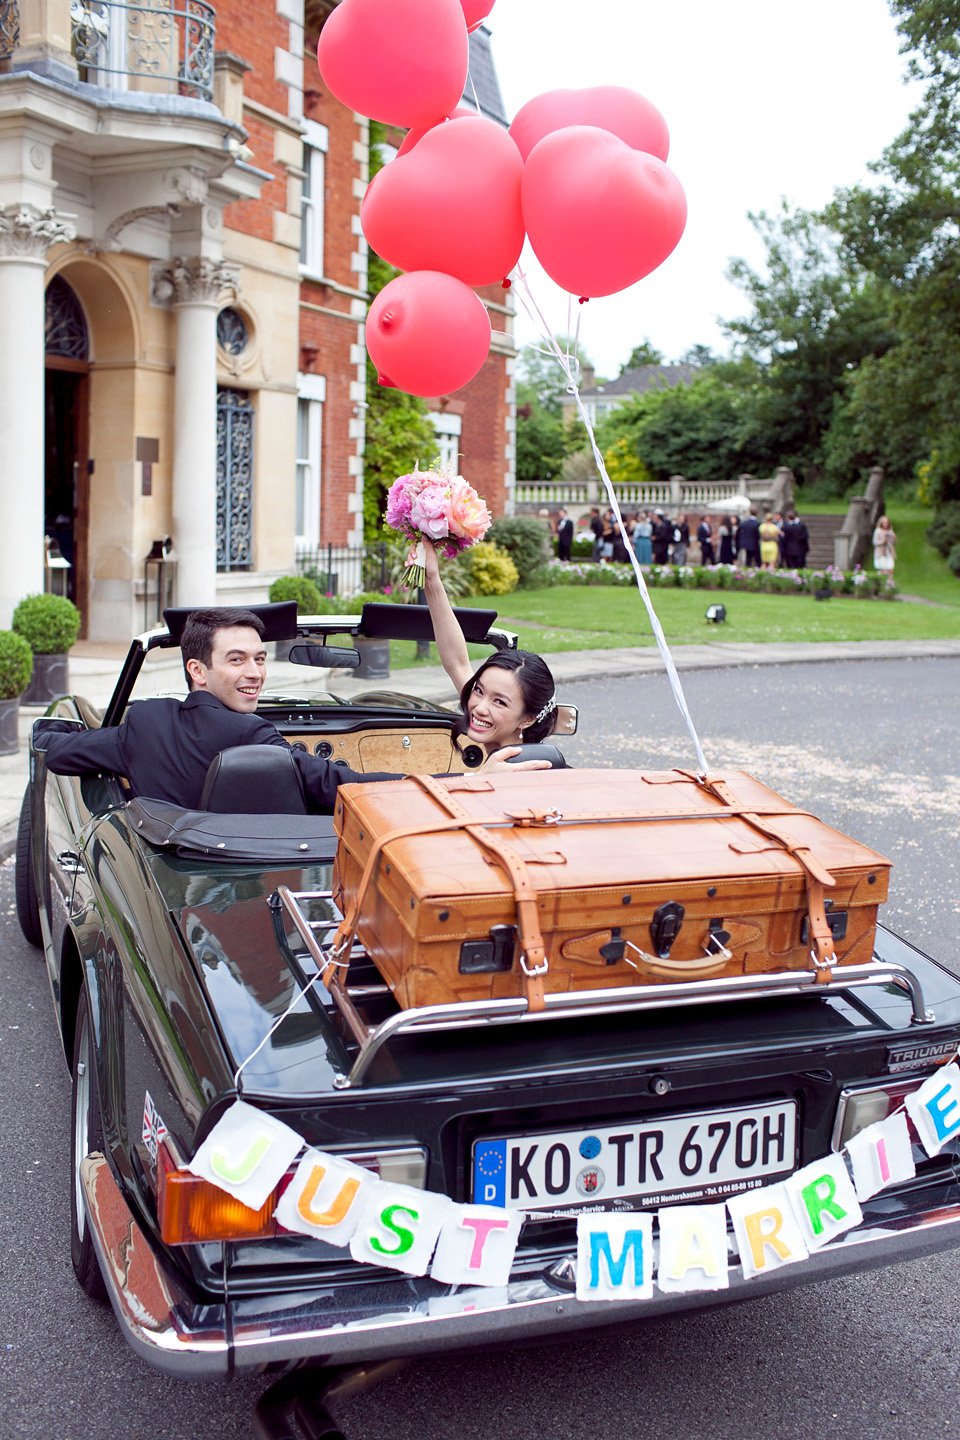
[325,1198]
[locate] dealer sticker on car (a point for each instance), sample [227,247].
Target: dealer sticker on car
[690,1156]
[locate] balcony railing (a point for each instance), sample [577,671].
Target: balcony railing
[9,27]
[161,47]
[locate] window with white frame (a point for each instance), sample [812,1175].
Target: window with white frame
[312,392]
[315,143]
[447,431]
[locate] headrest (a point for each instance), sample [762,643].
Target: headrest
[254,780]
[279,620]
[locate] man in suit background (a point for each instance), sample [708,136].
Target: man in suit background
[748,539]
[564,535]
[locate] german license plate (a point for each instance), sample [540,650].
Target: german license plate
[702,1155]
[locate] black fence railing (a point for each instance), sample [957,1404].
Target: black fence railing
[344,570]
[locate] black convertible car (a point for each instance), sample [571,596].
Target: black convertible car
[176,944]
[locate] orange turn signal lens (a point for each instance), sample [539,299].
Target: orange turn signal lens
[192,1210]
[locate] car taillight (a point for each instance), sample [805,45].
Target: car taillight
[856,1109]
[192,1210]
[397,1165]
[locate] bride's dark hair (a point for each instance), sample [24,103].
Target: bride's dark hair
[536,687]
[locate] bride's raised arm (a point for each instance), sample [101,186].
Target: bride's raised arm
[451,646]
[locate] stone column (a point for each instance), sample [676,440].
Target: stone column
[194,286]
[26,234]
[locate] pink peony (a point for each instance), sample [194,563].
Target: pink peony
[400,498]
[428,512]
[469,517]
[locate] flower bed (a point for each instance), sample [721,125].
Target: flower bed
[862,584]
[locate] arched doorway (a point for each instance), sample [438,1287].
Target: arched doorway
[66,471]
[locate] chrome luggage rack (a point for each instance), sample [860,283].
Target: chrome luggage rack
[562,1004]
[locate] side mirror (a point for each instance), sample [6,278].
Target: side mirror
[567,717]
[325,657]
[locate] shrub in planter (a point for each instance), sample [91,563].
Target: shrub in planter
[49,624]
[299,588]
[16,662]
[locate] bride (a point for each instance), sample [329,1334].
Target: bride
[510,700]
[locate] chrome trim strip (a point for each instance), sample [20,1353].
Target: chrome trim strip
[581,1003]
[167,1327]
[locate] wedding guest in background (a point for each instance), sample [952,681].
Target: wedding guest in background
[884,547]
[596,527]
[747,543]
[662,537]
[681,540]
[642,532]
[705,541]
[564,535]
[769,542]
[725,536]
[796,542]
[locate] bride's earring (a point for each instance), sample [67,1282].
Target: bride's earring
[519,737]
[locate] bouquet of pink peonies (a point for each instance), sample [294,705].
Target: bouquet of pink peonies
[443,508]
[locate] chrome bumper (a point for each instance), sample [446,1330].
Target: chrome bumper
[404,1317]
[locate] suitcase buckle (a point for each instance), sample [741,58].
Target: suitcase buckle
[535,969]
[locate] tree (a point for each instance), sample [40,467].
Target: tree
[906,232]
[699,355]
[681,430]
[643,354]
[543,440]
[816,315]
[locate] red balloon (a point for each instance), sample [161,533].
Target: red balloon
[599,215]
[609,107]
[427,333]
[475,12]
[413,137]
[402,64]
[452,204]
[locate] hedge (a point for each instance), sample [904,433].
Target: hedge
[863,584]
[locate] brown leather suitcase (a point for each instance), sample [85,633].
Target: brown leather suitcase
[476,887]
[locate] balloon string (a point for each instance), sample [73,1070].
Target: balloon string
[570,366]
[297,997]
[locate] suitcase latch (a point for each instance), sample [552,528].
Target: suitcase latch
[482,957]
[836,919]
[665,927]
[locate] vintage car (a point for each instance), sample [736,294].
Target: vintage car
[176,944]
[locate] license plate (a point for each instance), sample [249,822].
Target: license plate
[702,1155]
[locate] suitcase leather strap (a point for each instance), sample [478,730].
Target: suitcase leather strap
[822,947]
[533,958]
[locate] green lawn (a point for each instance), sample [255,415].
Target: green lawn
[581,618]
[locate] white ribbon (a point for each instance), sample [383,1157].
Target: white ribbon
[570,366]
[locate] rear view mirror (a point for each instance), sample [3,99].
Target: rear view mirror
[567,716]
[325,657]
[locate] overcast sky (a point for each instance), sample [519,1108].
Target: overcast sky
[763,101]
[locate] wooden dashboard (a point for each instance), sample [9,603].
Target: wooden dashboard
[393,748]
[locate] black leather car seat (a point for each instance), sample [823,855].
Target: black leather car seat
[254,780]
